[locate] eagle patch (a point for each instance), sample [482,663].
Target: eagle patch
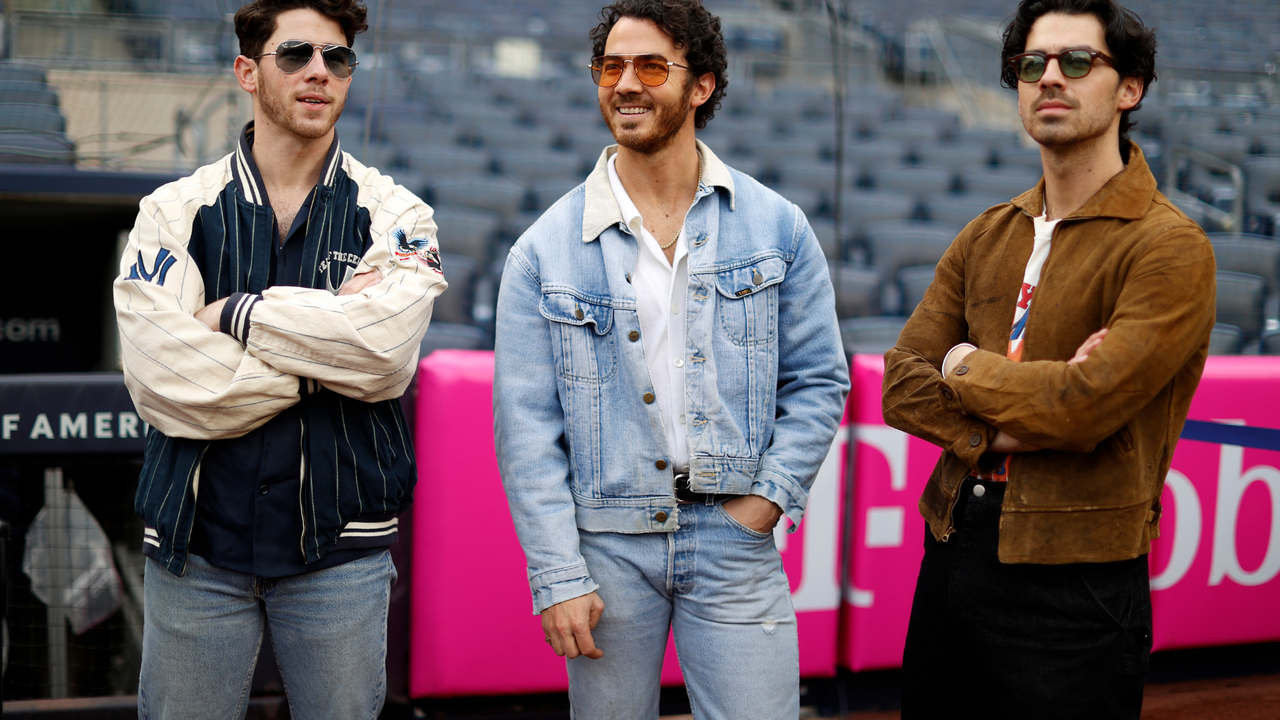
[419,249]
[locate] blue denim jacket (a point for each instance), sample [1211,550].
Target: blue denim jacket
[578,446]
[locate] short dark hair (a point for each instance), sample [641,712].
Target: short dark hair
[256,21]
[1130,43]
[691,27]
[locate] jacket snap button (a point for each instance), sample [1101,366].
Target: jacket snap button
[756,277]
[578,313]
[661,464]
[979,491]
[975,440]
[946,393]
[962,369]
[633,336]
[660,517]
[648,398]
[262,489]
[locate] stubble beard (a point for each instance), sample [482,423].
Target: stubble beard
[1081,125]
[668,121]
[278,105]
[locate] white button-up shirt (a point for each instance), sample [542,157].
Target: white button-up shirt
[661,289]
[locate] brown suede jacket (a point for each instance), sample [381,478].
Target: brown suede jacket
[1127,260]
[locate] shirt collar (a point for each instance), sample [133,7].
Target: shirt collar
[602,209]
[1126,196]
[249,180]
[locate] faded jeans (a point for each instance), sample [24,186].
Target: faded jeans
[720,586]
[203,631]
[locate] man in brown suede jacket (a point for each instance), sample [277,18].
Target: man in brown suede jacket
[1053,359]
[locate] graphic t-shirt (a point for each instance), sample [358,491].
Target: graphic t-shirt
[1030,281]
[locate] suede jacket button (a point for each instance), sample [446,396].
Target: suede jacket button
[946,393]
[975,440]
[962,369]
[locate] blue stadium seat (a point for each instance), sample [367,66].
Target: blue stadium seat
[870,335]
[959,210]
[466,231]
[857,289]
[1226,340]
[36,148]
[500,195]
[914,182]
[1240,300]
[30,117]
[913,281]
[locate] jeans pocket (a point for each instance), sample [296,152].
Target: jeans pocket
[753,534]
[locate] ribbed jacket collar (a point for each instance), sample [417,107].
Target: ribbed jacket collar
[249,180]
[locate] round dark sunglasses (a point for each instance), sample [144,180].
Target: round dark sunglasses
[651,69]
[293,55]
[1075,64]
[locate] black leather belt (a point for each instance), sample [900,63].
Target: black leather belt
[685,495]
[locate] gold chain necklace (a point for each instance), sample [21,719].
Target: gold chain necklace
[681,228]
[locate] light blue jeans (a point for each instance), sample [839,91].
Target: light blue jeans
[203,631]
[720,586]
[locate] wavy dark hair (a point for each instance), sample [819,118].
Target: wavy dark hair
[691,28]
[1130,43]
[256,21]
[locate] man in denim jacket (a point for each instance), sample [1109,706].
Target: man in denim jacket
[669,378]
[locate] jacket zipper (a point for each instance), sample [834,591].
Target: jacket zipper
[302,482]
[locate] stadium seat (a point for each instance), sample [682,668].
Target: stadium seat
[1226,340]
[1268,145]
[910,133]
[31,117]
[466,231]
[857,290]
[548,190]
[860,207]
[913,281]
[454,305]
[530,166]
[1254,127]
[1223,145]
[872,156]
[17,91]
[1176,126]
[944,122]
[512,139]
[809,201]
[814,175]
[870,335]
[1020,157]
[776,152]
[1270,343]
[1262,184]
[1240,302]
[1005,182]
[828,237]
[953,157]
[990,140]
[1253,254]
[407,132]
[36,148]
[438,161]
[914,182]
[958,210]
[451,336]
[501,195]
[21,72]
[895,245]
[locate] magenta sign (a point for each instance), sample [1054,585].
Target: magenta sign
[1214,569]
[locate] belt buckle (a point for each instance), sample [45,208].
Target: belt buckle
[683,493]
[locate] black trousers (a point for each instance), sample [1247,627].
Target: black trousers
[990,640]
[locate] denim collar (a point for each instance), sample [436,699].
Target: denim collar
[601,211]
[249,180]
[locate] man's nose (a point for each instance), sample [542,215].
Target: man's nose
[315,68]
[629,83]
[1053,74]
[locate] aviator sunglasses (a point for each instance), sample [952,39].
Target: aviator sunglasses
[651,69]
[293,55]
[1075,64]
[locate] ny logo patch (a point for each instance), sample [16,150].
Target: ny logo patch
[164,261]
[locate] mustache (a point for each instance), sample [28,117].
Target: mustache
[1054,95]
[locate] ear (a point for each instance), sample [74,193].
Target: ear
[1129,92]
[246,71]
[702,90]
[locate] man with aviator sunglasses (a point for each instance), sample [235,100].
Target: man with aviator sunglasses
[270,308]
[668,380]
[1053,359]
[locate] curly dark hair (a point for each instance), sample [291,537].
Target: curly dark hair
[1130,43]
[256,21]
[691,27]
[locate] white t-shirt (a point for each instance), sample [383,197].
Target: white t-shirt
[1030,281]
[661,289]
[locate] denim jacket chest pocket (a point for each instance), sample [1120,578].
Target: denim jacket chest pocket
[580,334]
[749,301]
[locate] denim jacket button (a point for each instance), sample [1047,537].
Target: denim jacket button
[660,517]
[633,336]
[578,313]
[661,464]
[648,398]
